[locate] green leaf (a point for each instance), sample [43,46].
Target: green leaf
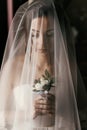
[44,76]
[47,73]
[52,80]
[45,87]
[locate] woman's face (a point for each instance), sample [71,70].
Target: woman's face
[42,35]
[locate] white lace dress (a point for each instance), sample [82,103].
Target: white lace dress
[22,102]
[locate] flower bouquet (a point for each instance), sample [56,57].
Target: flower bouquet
[42,86]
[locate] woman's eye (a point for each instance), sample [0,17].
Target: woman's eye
[35,35]
[50,34]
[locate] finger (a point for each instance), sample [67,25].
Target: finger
[41,111]
[45,99]
[42,106]
[39,97]
[40,101]
[46,103]
[36,113]
[45,96]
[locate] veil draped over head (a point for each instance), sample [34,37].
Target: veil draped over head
[38,78]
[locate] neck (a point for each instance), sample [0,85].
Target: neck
[43,62]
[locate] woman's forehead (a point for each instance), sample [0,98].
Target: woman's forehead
[42,22]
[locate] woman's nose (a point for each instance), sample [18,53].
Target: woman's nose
[42,41]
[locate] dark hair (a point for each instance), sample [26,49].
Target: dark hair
[43,11]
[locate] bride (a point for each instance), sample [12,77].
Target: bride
[37,52]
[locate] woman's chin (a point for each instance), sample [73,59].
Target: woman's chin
[41,52]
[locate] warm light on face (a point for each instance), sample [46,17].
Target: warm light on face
[42,34]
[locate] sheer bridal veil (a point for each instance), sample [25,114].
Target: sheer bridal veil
[39,78]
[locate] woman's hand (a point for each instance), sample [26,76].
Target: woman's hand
[44,104]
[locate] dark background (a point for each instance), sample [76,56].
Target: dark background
[77,13]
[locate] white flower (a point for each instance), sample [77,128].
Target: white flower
[38,86]
[42,79]
[44,82]
[46,92]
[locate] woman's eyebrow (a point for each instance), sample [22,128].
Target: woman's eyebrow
[35,30]
[49,30]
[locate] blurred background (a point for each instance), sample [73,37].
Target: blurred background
[77,13]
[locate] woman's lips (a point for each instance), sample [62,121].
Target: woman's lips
[42,50]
